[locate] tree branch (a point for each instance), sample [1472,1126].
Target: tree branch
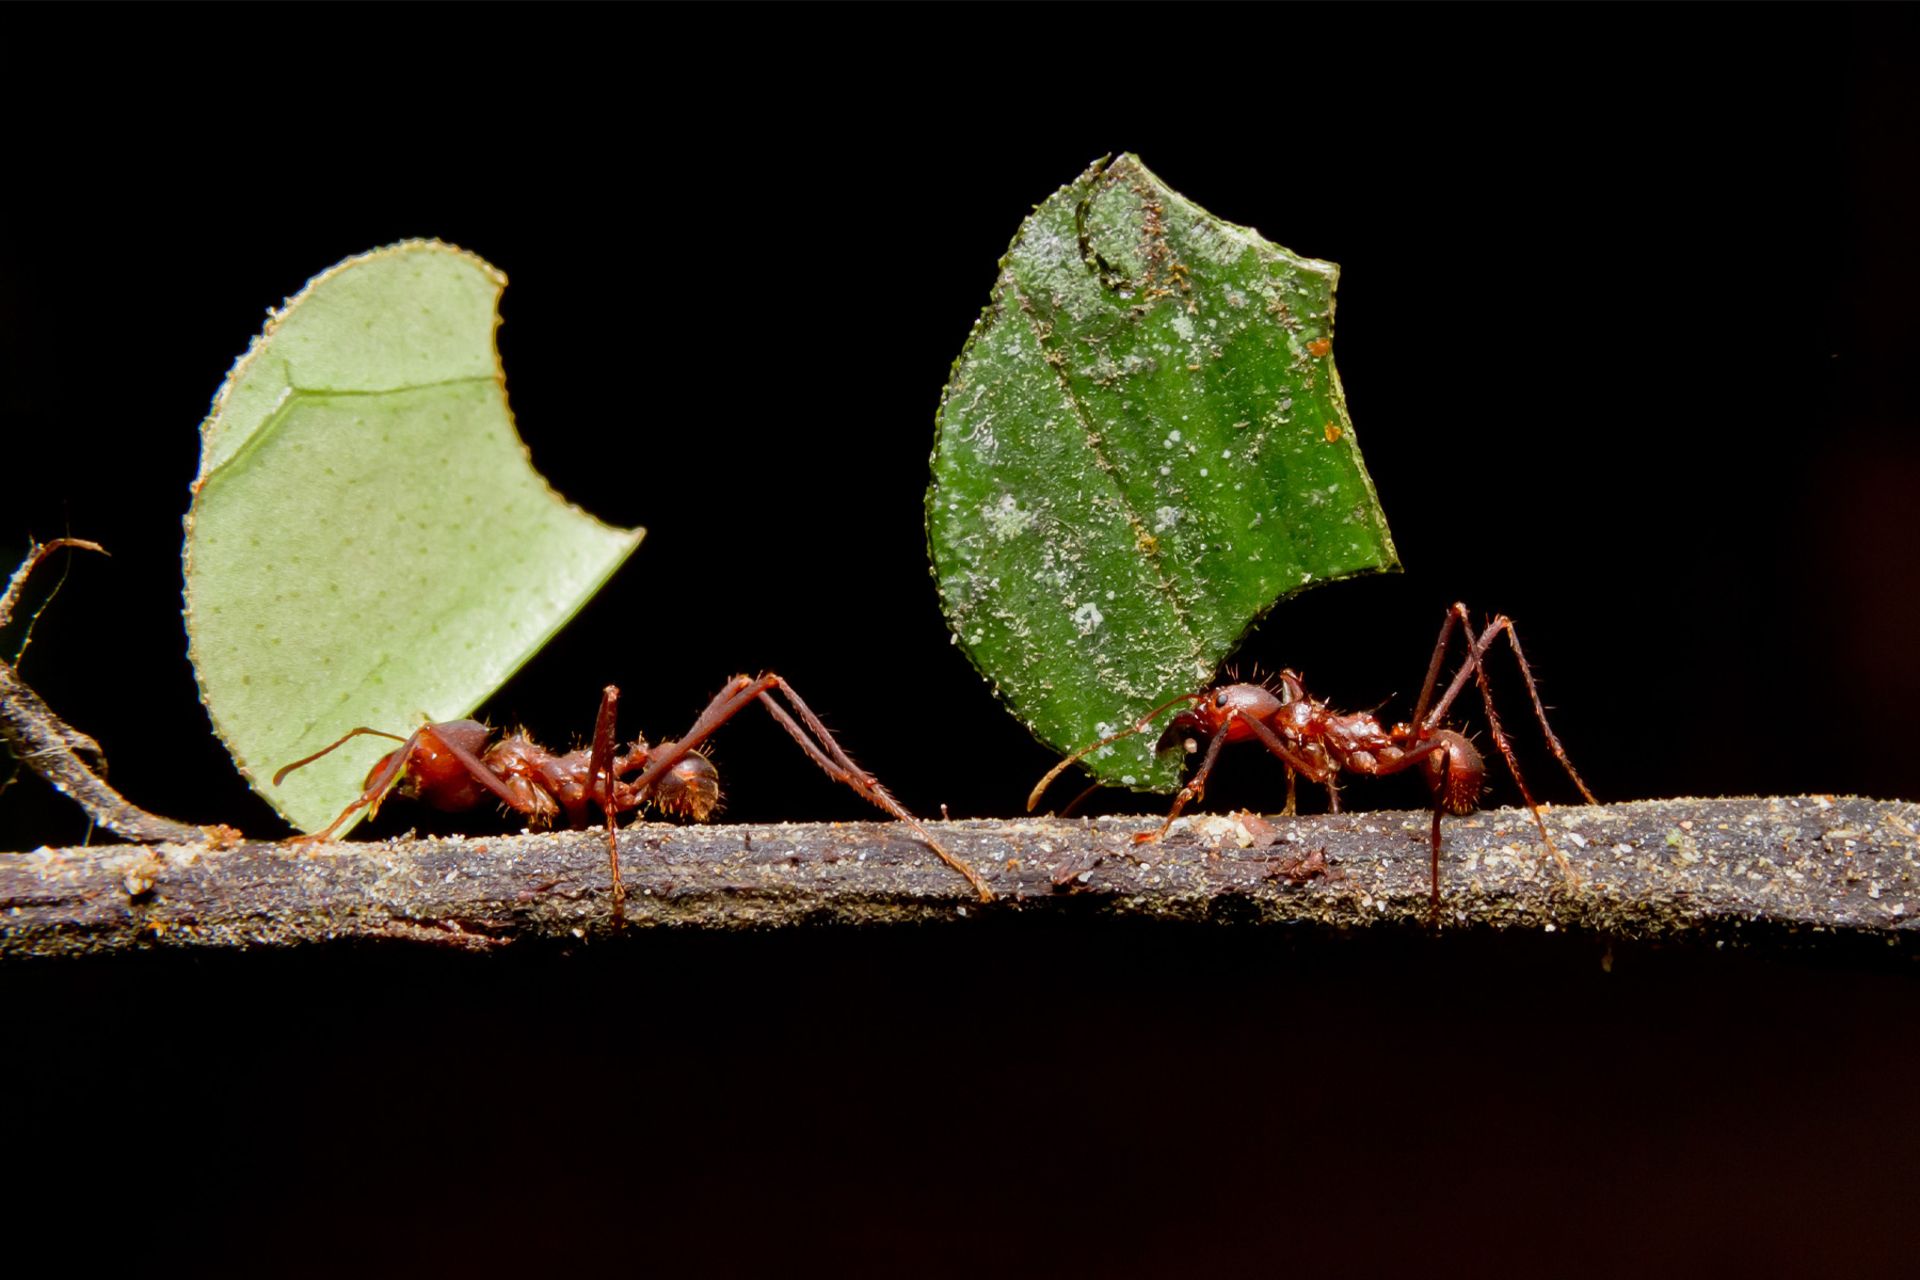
[1810,870]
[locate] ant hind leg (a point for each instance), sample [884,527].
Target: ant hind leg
[821,748]
[815,740]
[1476,667]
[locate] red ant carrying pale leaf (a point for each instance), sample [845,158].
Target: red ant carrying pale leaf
[450,767]
[1318,744]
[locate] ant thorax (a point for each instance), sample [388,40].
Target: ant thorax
[1355,732]
[527,770]
[430,770]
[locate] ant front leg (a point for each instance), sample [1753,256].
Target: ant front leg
[441,763]
[385,776]
[1196,786]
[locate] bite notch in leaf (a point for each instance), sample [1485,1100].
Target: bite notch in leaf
[368,538]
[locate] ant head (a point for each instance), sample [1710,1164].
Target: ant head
[433,773]
[408,785]
[690,788]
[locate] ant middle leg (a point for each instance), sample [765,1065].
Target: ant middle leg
[600,782]
[377,786]
[1292,809]
[1455,772]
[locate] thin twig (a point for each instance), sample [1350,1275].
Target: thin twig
[1803,871]
[48,745]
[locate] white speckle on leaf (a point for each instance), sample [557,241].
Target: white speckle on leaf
[1165,518]
[1087,618]
[1005,518]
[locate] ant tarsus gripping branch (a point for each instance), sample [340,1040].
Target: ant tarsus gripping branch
[1319,744]
[451,766]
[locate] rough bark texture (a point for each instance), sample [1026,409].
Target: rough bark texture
[50,747]
[1812,869]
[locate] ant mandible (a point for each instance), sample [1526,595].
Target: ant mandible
[1318,743]
[449,766]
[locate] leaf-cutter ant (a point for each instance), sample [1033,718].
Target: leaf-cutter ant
[451,767]
[1319,744]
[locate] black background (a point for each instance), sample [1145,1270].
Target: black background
[1627,327]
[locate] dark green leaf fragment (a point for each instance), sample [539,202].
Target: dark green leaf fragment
[1144,446]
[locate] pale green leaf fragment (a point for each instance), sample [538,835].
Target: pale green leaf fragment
[369,543]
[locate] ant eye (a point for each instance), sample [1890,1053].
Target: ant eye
[1220,698]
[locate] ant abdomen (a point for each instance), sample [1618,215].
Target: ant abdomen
[1456,774]
[691,788]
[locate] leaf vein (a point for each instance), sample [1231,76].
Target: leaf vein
[1143,537]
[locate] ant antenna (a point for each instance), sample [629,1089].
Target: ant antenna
[345,738]
[1033,800]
